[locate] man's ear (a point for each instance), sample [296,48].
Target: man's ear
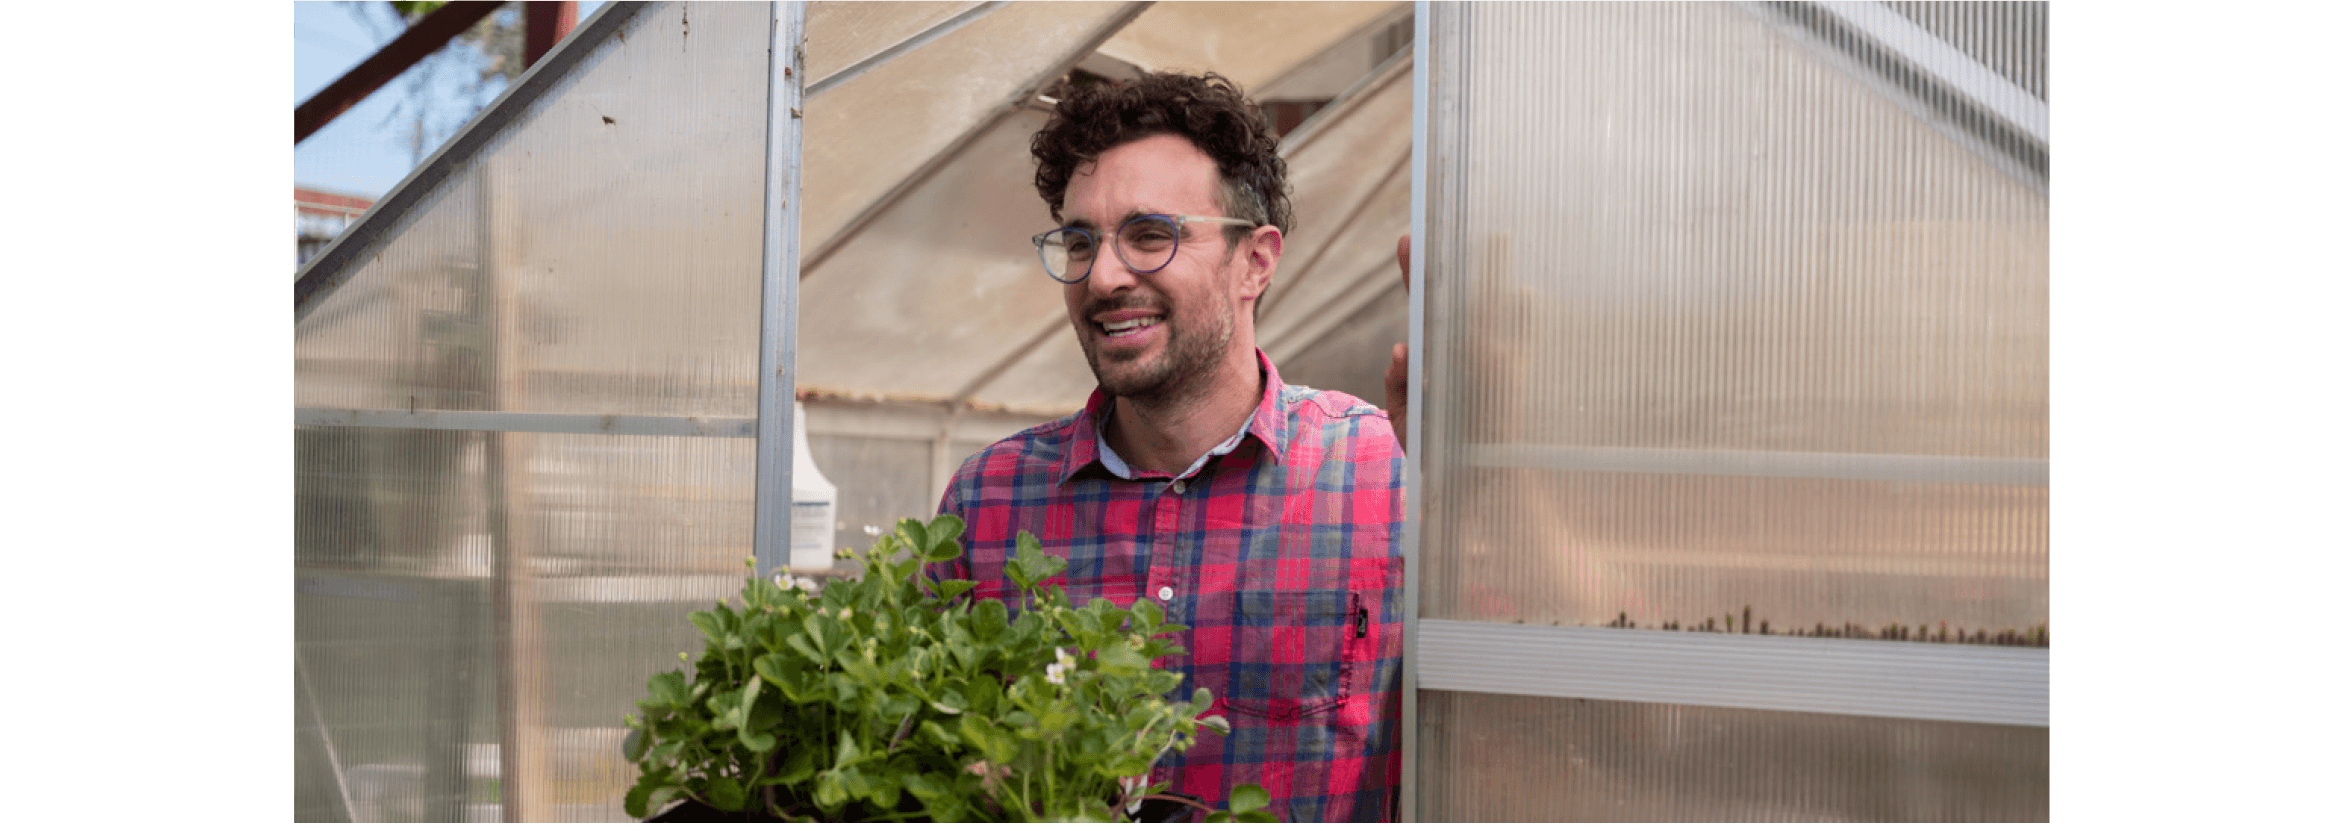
[1263,252]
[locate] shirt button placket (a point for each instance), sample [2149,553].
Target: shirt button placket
[1165,539]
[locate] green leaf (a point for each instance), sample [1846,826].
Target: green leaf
[945,539]
[766,712]
[1038,565]
[882,791]
[638,794]
[937,734]
[1250,797]
[708,623]
[725,709]
[726,795]
[800,766]
[988,621]
[934,796]
[757,742]
[846,754]
[829,793]
[992,743]
[1149,613]
[1122,659]
[950,703]
[855,783]
[632,747]
[670,688]
[814,627]
[983,693]
[948,589]
[800,643]
[779,671]
[917,536]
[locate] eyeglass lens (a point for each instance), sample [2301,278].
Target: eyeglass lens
[1145,244]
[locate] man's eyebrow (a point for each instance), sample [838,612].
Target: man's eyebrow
[1087,224]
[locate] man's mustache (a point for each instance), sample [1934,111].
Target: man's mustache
[1124,302]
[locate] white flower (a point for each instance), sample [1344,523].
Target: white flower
[807,585]
[844,614]
[1062,663]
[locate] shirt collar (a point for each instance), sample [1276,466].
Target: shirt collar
[1087,448]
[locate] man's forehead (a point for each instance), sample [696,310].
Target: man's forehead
[1155,175]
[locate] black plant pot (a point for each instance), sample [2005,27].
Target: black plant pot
[691,811]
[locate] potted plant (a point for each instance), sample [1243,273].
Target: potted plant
[894,697]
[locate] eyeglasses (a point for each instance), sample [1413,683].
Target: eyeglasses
[1145,244]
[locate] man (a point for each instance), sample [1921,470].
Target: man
[1265,517]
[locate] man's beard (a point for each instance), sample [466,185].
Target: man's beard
[1188,360]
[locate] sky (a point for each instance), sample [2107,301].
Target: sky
[364,152]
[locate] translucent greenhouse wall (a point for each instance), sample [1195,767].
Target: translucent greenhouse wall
[489,562]
[1734,495]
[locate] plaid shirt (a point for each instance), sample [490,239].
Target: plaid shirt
[1283,555]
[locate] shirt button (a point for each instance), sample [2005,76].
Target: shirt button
[1179,487]
[1166,592]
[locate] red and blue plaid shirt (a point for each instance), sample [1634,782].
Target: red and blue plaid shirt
[1284,556]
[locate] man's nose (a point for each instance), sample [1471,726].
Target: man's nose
[1110,275]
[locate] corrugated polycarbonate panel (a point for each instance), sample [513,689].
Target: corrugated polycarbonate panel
[846,35]
[1724,336]
[1713,325]
[401,535]
[1540,759]
[880,480]
[600,256]
[894,319]
[477,608]
[1350,176]
[868,136]
[1248,42]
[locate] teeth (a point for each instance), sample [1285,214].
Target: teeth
[1129,325]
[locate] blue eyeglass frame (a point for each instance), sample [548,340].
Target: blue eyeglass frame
[1177,220]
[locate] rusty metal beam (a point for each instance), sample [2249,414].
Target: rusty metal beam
[542,25]
[423,38]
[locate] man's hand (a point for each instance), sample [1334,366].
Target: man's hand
[1399,364]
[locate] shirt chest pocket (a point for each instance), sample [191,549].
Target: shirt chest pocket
[1298,654]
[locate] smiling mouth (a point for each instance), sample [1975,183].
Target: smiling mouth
[1129,328]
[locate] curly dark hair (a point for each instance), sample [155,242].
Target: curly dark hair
[1209,110]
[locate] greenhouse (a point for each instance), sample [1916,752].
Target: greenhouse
[1728,484]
